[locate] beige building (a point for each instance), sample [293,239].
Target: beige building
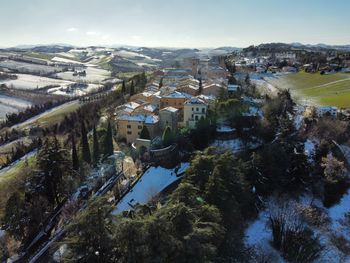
[212,89]
[175,99]
[189,89]
[215,72]
[144,96]
[194,110]
[129,126]
[168,117]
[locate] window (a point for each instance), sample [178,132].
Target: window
[129,132]
[139,133]
[128,126]
[192,109]
[139,127]
[203,110]
[197,109]
[192,116]
[196,118]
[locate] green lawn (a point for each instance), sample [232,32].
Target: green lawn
[333,89]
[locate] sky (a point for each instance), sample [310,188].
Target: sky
[173,23]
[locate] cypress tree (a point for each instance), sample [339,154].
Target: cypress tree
[143,80]
[132,88]
[200,90]
[85,150]
[145,133]
[167,137]
[108,144]
[123,87]
[95,146]
[75,160]
[161,83]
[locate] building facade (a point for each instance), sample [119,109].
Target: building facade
[168,117]
[129,126]
[194,110]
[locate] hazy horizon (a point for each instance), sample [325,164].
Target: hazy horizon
[186,24]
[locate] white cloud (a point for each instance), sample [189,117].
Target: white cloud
[72,29]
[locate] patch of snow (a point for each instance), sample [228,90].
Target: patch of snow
[338,211]
[234,144]
[65,60]
[14,102]
[224,128]
[26,81]
[309,148]
[258,233]
[346,151]
[152,182]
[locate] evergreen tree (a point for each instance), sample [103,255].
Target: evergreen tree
[89,236]
[143,80]
[108,143]
[123,87]
[95,146]
[247,79]
[75,159]
[85,149]
[167,137]
[14,216]
[132,88]
[200,89]
[52,164]
[145,133]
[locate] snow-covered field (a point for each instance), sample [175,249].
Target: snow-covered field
[14,102]
[154,180]
[28,67]
[77,92]
[235,145]
[93,75]
[65,60]
[4,109]
[11,105]
[258,234]
[26,81]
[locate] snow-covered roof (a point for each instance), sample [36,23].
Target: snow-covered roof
[153,181]
[211,85]
[132,105]
[171,109]
[148,119]
[206,97]
[151,119]
[190,86]
[195,101]
[150,107]
[147,93]
[178,95]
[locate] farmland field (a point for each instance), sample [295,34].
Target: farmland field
[327,90]
[11,105]
[26,81]
[93,75]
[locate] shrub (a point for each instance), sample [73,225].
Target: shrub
[296,242]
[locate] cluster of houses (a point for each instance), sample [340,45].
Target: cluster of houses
[175,99]
[289,61]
